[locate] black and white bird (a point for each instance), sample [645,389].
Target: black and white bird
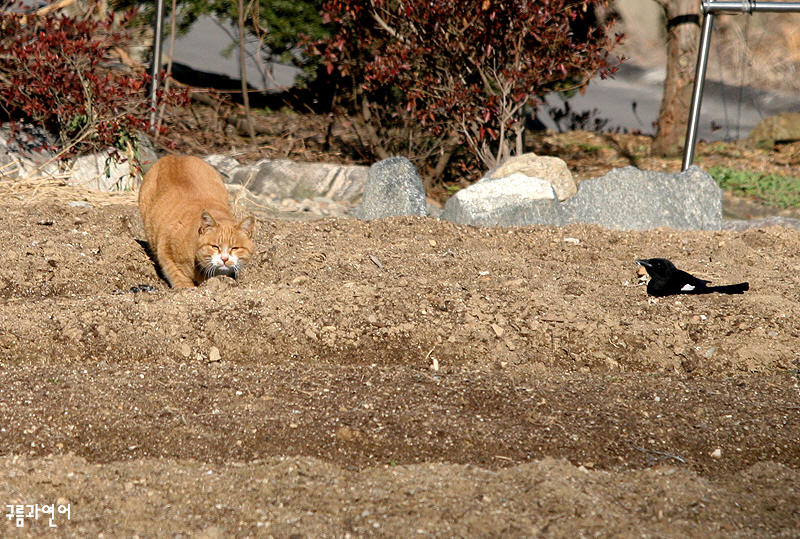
[667,280]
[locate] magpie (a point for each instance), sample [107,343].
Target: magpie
[666,280]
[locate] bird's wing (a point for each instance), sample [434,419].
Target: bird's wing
[691,283]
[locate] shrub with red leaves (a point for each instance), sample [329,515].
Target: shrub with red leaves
[467,67]
[59,72]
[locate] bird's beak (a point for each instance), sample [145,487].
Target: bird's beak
[644,263]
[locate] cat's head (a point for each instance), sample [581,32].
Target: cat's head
[223,246]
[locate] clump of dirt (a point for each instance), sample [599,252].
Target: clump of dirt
[395,378]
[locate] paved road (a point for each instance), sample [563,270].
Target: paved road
[735,111]
[209,47]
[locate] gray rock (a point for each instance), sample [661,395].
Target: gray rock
[245,202]
[552,169]
[226,166]
[30,141]
[783,127]
[515,200]
[15,166]
[287,179]
[738,225]
[102,172]
[147,153]
[393,188]
[623,199]
[434,210]
[12,165]
[633,199]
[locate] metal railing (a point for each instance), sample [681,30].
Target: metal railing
[710,8]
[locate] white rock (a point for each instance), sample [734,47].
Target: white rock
[552,169]
[102,172]
[515,200]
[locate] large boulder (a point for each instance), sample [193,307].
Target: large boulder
[623,199]
[393,188]
[515,200]
[633,199]
[286,179]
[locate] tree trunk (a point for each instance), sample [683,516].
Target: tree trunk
[448,149]
[683,37]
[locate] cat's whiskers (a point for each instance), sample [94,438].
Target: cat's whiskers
[209,268]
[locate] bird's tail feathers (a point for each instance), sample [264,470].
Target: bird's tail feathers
[738,288]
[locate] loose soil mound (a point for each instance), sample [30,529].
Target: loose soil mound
[396,378]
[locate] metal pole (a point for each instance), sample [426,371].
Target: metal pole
[155,67]
[750,6]
[697,92]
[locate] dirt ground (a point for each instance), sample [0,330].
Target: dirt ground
[395,378]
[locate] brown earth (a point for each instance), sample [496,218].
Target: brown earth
[396,378]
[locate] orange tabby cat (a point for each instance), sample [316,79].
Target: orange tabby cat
[189,226]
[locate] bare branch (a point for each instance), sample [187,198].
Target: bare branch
[243,72]
[385,26]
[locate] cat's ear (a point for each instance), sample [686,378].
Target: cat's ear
[206,222]
[247,224]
